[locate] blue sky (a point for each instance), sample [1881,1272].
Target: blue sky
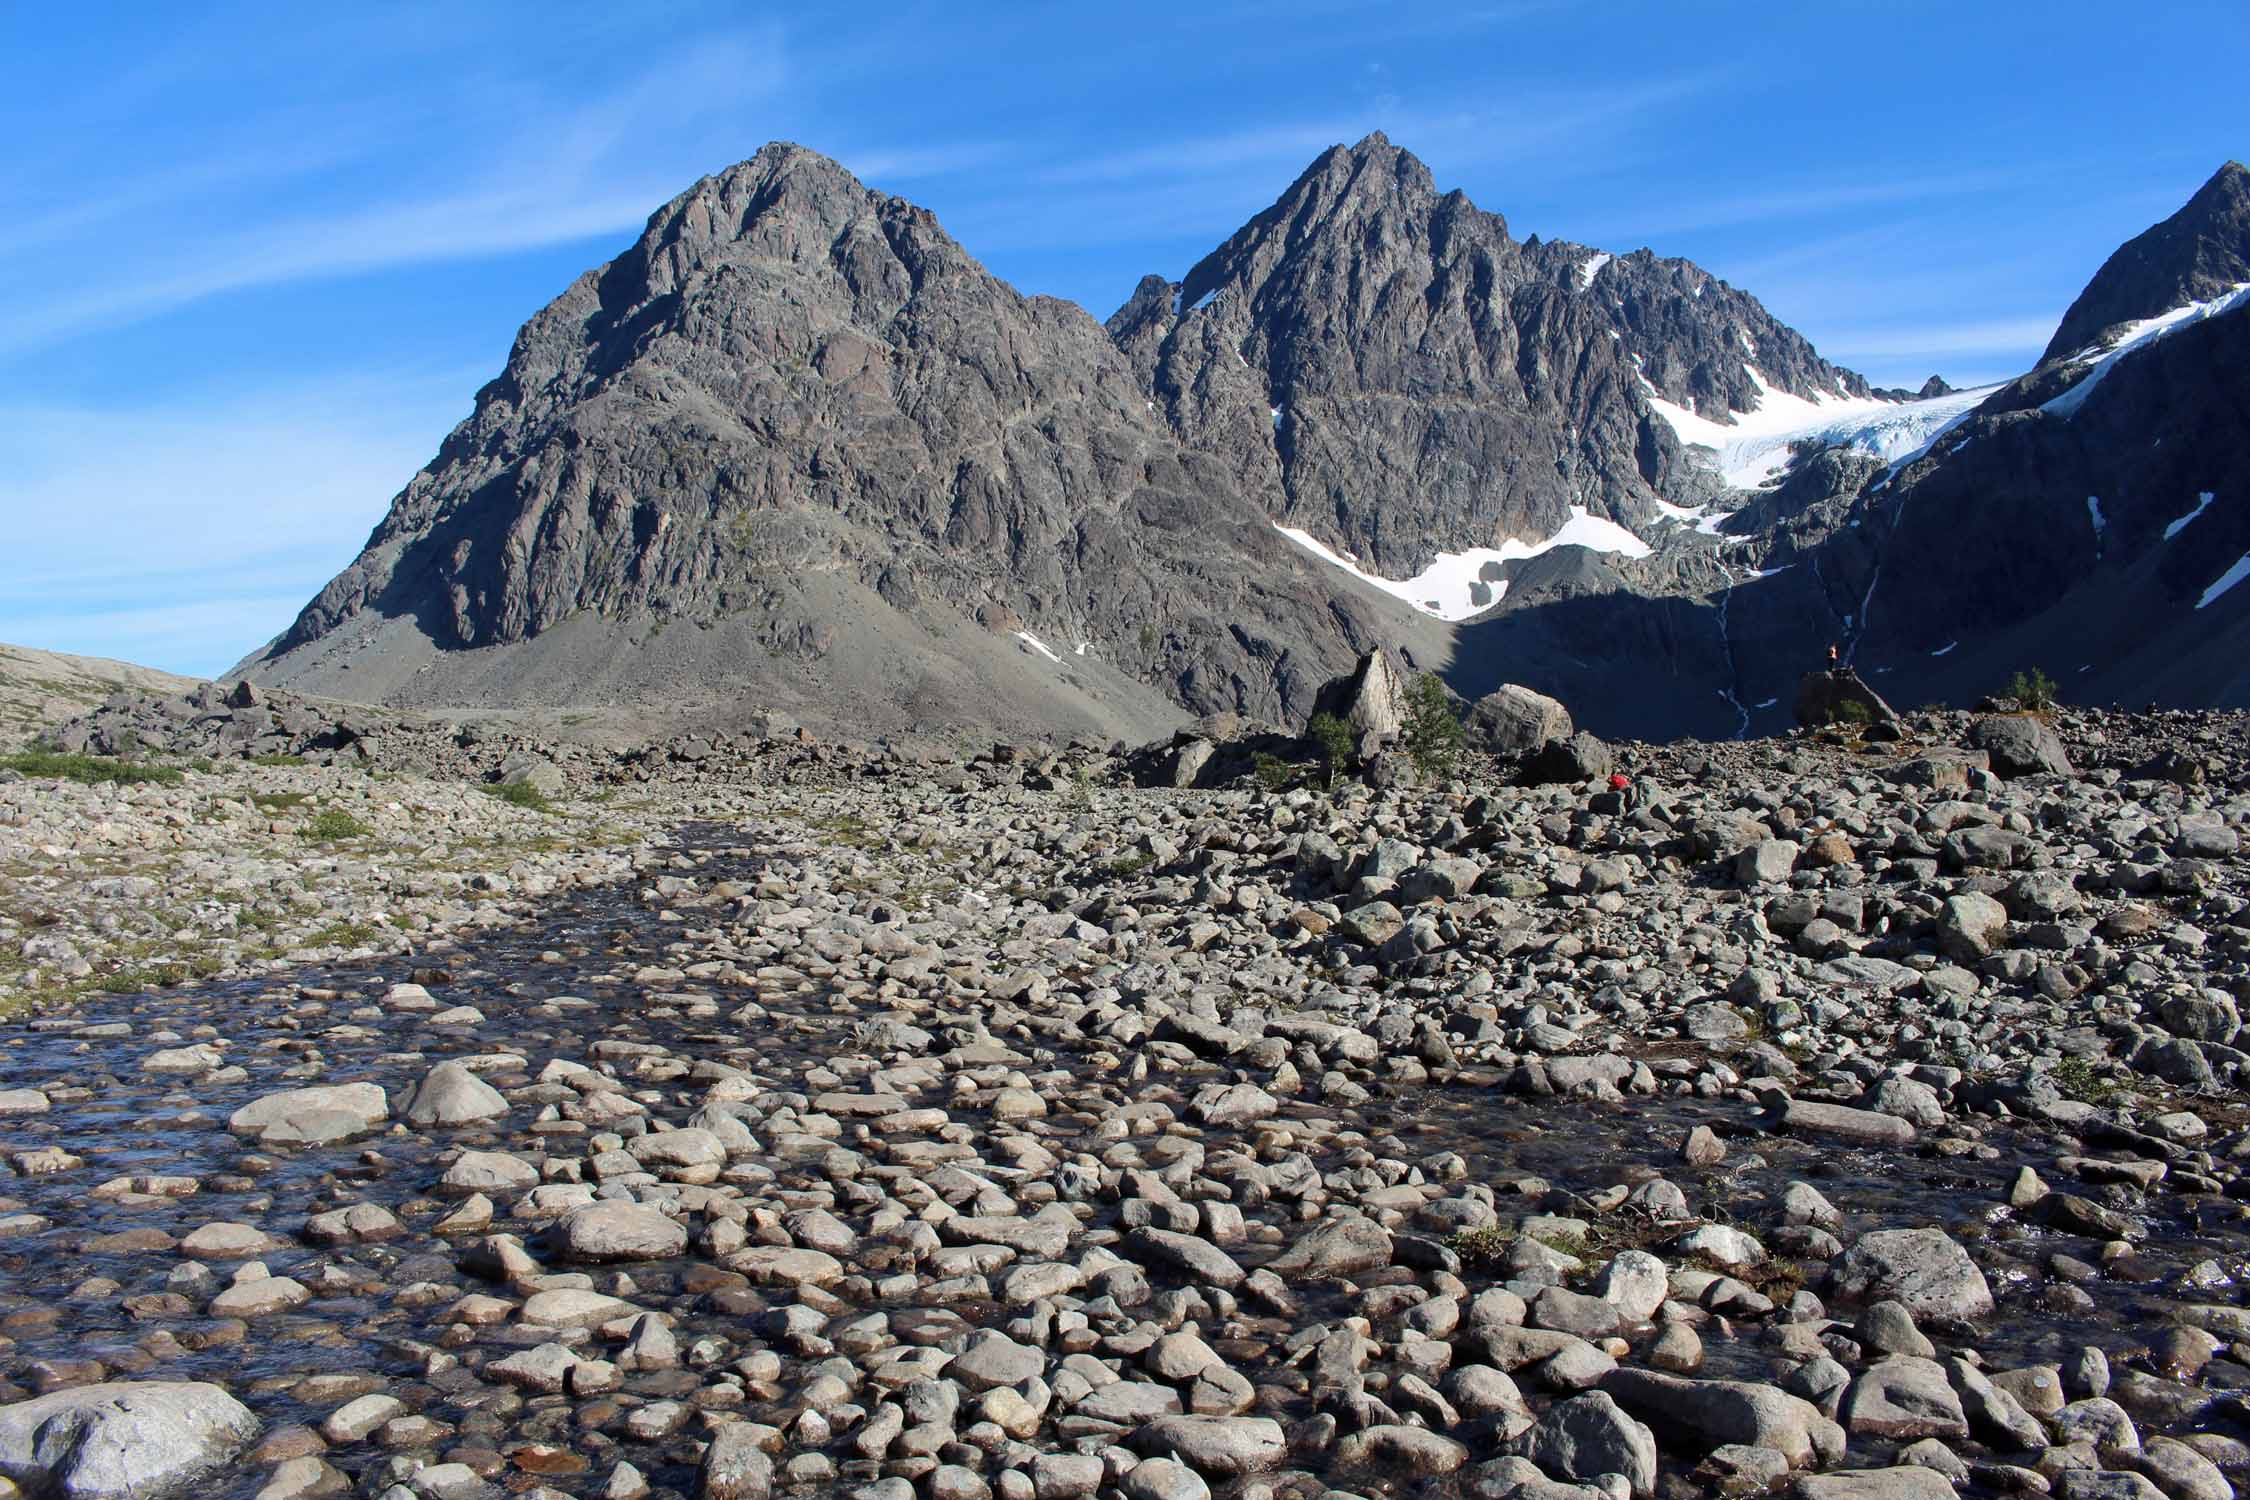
[256,259]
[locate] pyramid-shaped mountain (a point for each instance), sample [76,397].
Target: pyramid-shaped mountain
[1386,367]
[797,449]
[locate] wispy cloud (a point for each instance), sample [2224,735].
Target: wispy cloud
[182,534]
[552,175]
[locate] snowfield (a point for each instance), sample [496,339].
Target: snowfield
[2137,336]
[1754,447]
[1455,586]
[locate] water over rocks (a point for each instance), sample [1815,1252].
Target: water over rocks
[970,1130]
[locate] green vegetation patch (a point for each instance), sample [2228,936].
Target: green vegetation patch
[520,794]
[93,769]
[333,823]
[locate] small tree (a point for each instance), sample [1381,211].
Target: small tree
[1434,735]
[1334,737]
[2034,689]
[1852,713]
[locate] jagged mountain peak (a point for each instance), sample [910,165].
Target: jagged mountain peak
[1387,368]
[864,477]
[2198,253]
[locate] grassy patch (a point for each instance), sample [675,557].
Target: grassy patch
[520,794]
[133,981]
[1483,1246]
[334,823]
[343,935]
[2077,1079]
[278,802]
[93,769]
[277,760]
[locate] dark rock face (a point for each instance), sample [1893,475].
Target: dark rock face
[1386,367]
[1821,697]
[796,406]
[2193,256]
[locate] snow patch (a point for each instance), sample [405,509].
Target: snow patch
[2202,503]
[1753,446]
[1456,585]
[1593,268]
[2136,337]
[1082,645]
[1942,650]
[2094,513]
[2226,580]
[1036,644]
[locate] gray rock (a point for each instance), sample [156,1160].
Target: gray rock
[1512,722]
[1904,1397]
[1924,1270]
[1588,1436]
[1909,1482]
[312,1115]
[734,1466]
[617,1231]
[122,1439]
[2021,745]
[452,1095]
[1215,1447]
[1343,1246]
[1714,1412]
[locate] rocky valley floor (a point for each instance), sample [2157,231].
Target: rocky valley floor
[808,1121]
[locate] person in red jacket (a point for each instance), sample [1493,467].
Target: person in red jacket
[1627,793]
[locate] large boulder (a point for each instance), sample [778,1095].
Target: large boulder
[613,1231]
[539,774]
[1513,722]
[1589,1436]
[1714,1413]
[122,1439]
[2021,745]
[1370,699]
[328,1112]
[450,1094]
[1924,1269]
[1343,1246]
[1822,696]
[1581,757]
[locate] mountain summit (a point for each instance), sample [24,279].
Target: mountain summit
[1385,366]
[796,448]
[2198,253]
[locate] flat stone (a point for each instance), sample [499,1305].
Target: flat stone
[1222,1447]
[313,1116]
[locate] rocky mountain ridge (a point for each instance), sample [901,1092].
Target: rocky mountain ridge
[1388,368]
[797,451]
[797,447]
